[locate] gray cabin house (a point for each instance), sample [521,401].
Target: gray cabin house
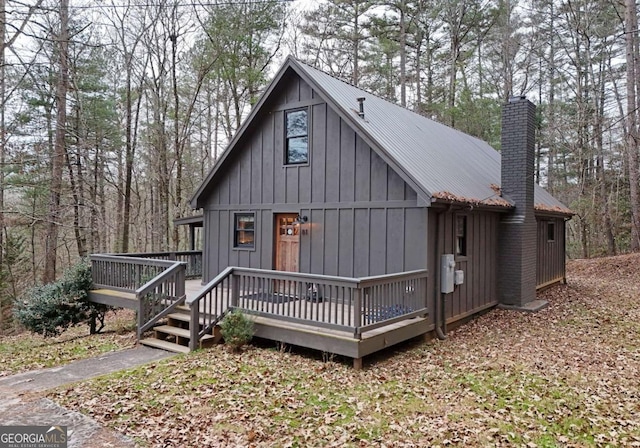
[344,223]
[328,194]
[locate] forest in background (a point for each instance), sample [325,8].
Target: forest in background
[114,111]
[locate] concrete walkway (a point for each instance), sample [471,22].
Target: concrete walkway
[20,403]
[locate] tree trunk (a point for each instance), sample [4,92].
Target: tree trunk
[631,33]
[507,52]
[356,44]
[403,56]
[3,94]
[451,100]
[176,140]
[57,161]
[129,157]
[418,69]
[552,92]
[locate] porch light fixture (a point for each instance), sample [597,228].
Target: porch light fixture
[301,219]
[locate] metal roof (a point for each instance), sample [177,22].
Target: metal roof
[436,160]
[443,161]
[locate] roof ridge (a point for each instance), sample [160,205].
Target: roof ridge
[380,97]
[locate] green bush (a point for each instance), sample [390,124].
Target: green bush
[52,308]
[236,329]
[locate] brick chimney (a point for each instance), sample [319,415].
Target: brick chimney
[517,238]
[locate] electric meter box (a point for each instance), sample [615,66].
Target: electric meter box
[447,270]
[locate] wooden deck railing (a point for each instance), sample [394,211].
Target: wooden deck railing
[349,304]
[191,258]
[158,285]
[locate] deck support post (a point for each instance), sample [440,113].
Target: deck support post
[194,326]
[357,363]
[139,312]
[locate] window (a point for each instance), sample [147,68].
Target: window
[551,231]
[288,226]
[296,125]
[244,231]
[461,236]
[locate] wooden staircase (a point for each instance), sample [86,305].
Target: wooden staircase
[174,335]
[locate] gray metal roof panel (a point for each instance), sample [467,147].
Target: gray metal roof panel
[440,159]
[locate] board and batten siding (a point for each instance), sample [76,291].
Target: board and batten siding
[363,218]
[479,290]
[551,251]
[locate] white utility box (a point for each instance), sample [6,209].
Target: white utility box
[458,277]
[447,269]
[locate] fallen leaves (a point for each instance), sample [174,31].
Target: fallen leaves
[493,200]
[566,376]
[26,351]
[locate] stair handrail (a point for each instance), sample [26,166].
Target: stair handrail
[194,305]
[155,281]
[177,270]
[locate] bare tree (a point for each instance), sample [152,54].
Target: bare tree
[632,137]
[58,157]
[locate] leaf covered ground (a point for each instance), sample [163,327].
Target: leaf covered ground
[566,376]
[27,351]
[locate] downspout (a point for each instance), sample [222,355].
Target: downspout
[440,318]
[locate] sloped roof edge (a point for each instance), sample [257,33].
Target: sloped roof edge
[194,202]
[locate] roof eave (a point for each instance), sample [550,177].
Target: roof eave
[194,220]
[566,214]
[497,208]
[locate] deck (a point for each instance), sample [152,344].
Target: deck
[344,316]
[122,299]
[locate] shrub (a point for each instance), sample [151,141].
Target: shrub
[236,329]
[52,308]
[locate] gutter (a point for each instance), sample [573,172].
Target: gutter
[474,206]
[440,317]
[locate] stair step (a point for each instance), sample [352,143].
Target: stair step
[165,345]
[179,316]
[183,317]
[181,332]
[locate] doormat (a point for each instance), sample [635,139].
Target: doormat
[270,297]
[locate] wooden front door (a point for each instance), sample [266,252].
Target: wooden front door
[287,243]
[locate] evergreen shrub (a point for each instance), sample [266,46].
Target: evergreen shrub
[52,308]
[236,329]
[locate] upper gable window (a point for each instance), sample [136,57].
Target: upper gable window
[297,129]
